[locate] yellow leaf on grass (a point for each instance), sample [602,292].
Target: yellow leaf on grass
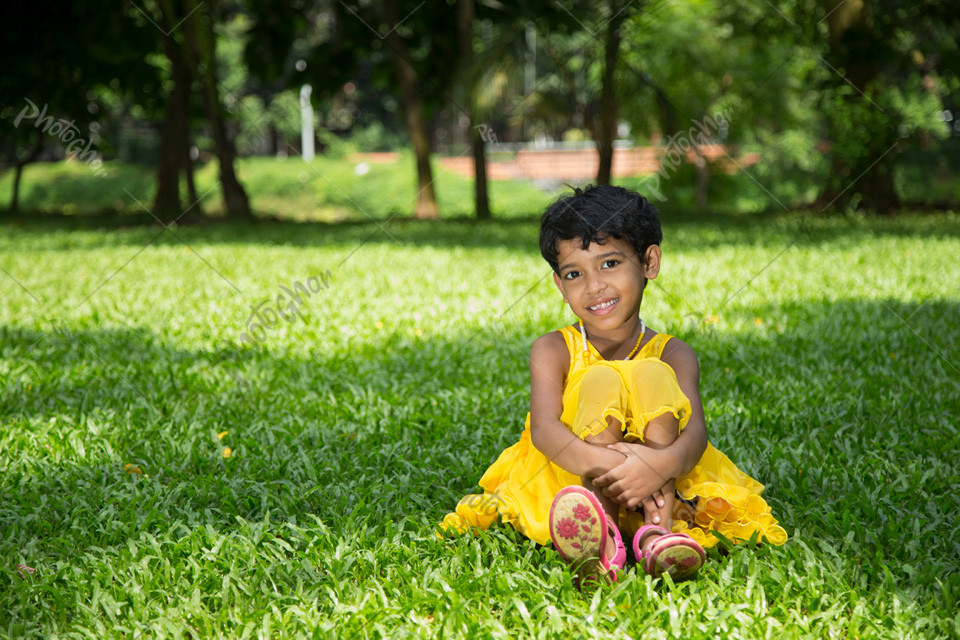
[227,452]
[132,468]
[221,434]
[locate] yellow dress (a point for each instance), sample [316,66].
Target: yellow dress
[520,486]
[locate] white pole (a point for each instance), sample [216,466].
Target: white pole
[306,123]
[529,72]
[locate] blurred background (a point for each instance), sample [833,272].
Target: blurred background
[296,109]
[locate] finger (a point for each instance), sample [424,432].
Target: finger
[658,498]
[610,476]
[651,510]
[619,447]
[614,490]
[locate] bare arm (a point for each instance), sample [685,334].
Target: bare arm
[689,446]
[549,362]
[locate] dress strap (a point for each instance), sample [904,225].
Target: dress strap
[571,336]
[654,348]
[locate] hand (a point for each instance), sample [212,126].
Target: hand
[638,479]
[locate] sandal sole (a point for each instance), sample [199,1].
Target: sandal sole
[577,539]
[676,554]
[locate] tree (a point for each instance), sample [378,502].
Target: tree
[465,17]
[413,108]
[888,62]
[174,157]
[410,48]
[201,37]
[608,102]
[56,69]
[186,32]
[857,47]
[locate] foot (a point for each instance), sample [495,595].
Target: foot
[584,536]
[610,549]
[661,552]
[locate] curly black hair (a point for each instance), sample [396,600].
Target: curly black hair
[596,213]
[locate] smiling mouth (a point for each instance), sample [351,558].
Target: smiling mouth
[604,305]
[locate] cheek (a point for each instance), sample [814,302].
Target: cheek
[568,291]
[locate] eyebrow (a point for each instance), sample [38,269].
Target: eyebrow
[600,257]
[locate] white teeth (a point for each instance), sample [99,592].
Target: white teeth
[604,305]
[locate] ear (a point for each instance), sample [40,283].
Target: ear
[652,261]
[559,283]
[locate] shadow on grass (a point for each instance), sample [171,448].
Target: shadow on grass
[682,230]
[849,418]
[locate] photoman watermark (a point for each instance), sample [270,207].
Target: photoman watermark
[679,146]
[64,131]
[286,305]
[487,133]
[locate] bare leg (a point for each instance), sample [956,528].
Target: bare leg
[612,434]
[659,434]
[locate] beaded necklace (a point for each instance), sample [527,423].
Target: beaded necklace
[643,330]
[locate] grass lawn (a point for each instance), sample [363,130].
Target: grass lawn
[328,189]
[160,476]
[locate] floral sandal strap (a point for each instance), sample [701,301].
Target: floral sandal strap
[677,554]
[642,534]
[619,559]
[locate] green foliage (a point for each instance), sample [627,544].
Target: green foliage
[376,137]
[928,174]
[856,124]
[255,123]
[829,374]
[284,113]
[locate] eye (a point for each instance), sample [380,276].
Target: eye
[609,264]
[570,275]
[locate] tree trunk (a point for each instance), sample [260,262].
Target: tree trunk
[855,52]
[274,141]
[608,102]
[480,173]
[166,202]
[476,133]
[183,107]
[703,179]
[18,171]
[175,135]
[426,206]
[203,43]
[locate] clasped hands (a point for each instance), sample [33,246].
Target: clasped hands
[641,478]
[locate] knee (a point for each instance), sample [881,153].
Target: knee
[649,370]
[601,377]
[661,431]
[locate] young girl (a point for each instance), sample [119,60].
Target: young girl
[616,423]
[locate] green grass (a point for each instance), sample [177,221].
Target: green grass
[328,189]
[831,375]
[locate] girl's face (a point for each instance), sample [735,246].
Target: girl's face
[604,284]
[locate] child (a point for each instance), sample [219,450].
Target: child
[615,420]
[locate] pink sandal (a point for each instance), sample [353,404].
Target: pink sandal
[675,553]
[579,529]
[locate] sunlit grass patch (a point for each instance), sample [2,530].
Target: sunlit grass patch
[830,373]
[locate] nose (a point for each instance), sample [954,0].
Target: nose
[595,283]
